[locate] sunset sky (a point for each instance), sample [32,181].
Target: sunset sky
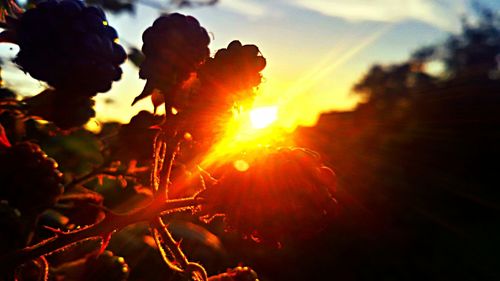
[315,49]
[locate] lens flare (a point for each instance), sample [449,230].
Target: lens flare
[241,165]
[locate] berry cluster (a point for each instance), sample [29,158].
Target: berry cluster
[69,46]
[226,80]
[233,70]
[269,194]
[105,267]
[30,180]
[173,47]
[64,111]
[277,193]
[6,93]
[135,139]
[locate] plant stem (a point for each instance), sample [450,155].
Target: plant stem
[111,223]
[160,175]
[90,176]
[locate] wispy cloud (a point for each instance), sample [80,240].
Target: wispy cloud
[444,14]
[247,8]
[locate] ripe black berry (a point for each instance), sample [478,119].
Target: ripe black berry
[30,180]
[106,267]
[234,69]
[69,46]
[59,107]
[282,194]
[226,80]
[173,47]
[134,140]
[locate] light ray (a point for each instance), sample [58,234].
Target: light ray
[331,62]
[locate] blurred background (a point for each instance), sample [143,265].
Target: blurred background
[316,50]
[401,98]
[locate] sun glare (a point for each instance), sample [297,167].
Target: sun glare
[262,117]
[247,131]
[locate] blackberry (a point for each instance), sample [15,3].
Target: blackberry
[207,121]
[233,70]
[75,113]
[69,46]
[64,111]
[226,80]
[105,267]
[173,48]
[13,124]
[277,194]
[6,93]
[135,139]
[30,180]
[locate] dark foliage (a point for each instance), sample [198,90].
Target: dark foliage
[416,166]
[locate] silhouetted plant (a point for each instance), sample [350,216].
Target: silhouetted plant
[58,224]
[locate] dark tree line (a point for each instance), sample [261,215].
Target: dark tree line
[418,165]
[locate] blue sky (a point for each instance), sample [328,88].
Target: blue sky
[316,49]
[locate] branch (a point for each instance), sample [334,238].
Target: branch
[98,172]
[180,262]
[98,231]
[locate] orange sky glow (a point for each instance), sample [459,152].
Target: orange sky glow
[316,50]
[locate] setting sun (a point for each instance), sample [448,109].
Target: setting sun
[256,127]
[262,117]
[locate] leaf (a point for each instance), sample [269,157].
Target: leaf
[135,56]
[194,232]
[77,153]
[148,90]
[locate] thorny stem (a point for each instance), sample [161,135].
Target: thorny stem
[111,223]
[171,152]
[161,231]
[180,262]
[90,176]
[166,147]
[163,238]
[44,268]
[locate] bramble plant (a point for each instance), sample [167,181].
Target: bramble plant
[161,166]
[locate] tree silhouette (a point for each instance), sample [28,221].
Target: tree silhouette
[416,161]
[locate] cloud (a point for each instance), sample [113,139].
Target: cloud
[444,14]
[249,8]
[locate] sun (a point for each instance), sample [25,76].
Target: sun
[247,131]
[262,117]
